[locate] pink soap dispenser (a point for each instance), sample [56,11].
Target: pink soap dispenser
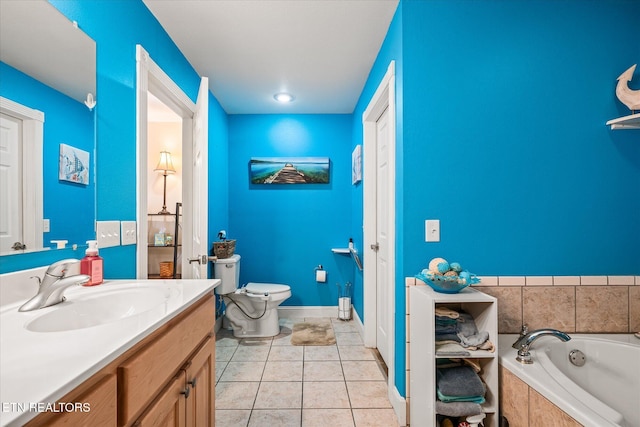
[92,264]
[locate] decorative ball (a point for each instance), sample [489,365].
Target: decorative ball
[439,265]
[443,267]
[455,267]
[451,273]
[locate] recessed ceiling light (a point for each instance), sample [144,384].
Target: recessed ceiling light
[283,97]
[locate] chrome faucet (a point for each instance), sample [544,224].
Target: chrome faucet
[523,343]
[59,277]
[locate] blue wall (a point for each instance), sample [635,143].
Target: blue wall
[284,231]
[66,121]
[218,171]
[503,109]
[116,96]
[507,105]
[115,151]
[391,50]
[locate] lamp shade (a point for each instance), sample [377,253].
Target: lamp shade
[166,163]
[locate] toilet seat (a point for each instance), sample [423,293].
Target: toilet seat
[266,288]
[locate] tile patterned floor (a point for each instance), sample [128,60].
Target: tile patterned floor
[268,382]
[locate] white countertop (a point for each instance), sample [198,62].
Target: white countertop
[41,367]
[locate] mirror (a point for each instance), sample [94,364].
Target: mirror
[47,69]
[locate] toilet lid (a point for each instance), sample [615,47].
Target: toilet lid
[269,288]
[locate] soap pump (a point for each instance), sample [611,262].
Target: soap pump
[92,264]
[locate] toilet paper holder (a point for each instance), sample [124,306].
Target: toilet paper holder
[321,274]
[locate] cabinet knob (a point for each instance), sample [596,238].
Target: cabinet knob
[193,382]
[186,392]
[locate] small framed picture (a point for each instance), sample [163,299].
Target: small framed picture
[356,165]
[160,239]
[74,165]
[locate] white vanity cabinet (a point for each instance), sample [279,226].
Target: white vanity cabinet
[422,376]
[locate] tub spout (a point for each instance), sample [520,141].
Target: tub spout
[524,342]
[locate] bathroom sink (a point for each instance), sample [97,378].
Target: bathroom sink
[100,307]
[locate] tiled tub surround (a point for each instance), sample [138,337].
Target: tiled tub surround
[584,304]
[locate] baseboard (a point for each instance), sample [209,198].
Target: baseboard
[311,311]
[358,323]
[399,404]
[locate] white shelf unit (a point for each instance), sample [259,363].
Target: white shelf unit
[627,122]
[422,376]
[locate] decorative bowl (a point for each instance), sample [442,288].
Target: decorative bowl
[446,284]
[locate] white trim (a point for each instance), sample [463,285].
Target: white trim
[383,98]
[32,175]
[151,78]
[399,404]
[308,311]
[359,323]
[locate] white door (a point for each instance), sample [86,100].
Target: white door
[10,182]
[197,267]
[384,281]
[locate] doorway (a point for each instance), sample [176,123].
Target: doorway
[164,191]
[379,225]
[151,79]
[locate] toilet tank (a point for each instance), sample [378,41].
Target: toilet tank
[227,270]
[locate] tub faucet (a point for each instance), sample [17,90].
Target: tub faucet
[523,343]
[59,276]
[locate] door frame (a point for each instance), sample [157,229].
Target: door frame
[151,78]
[32,176]
[383,98]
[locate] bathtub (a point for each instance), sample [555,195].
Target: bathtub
[604,392]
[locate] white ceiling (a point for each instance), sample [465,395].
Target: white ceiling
[321,51]
[38,40]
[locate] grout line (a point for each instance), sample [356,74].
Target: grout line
[377,359]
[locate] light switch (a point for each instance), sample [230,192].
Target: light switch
[432,230]
[108,234]
[128,232]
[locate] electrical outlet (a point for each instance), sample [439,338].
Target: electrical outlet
[46,226]
[108,233]
[128,232]
[432,230]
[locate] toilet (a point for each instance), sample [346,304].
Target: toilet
[251,310]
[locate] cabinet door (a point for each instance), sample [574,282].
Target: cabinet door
[168,410]
[201,379]
[95,407]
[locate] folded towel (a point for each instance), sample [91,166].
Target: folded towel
[448,399]
[461,381]
[466,325]
[448,363]
[443,320]
[468,333]
[446,312]
[474,363]
[447,337]
[446,329]
[457,409]
[473,340]
[451,349]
